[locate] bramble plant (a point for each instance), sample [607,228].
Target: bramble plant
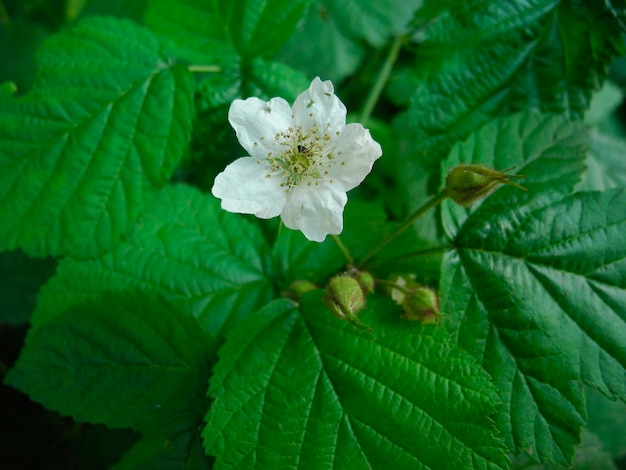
[271,234]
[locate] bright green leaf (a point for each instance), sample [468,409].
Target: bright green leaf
[193,29]
[106,121]
[300,389]
[20,279]
[486,58]
[258,27]
[124,360]
[547,149]
[208,262]
[373,20]
[606,165]
[320,31]
[537,293]
[182,450]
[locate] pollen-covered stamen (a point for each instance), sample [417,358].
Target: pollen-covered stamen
[306,158]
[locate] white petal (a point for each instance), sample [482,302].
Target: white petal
[245,187]
[355,152]
[256,123]
[315,210]
[320,105]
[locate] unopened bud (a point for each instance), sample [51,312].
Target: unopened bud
[344,297]
[421,304]
[466,184]
[418,302]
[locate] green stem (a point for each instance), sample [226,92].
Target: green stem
[381,79]
[410,220]
[419,253]
[343,249]
[205,68]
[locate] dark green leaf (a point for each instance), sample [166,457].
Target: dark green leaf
[320,31]
[182,450]
[537,293]
[208,262]
[300,389]
[20,279]
[373,20]
[124,360]
[106,121]
[486,58]
[547,149]
[258,27]
[193,29]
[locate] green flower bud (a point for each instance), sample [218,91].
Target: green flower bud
[344,297]
[418,302]
[421,304]
[366,281]
[300,287]
[466,184]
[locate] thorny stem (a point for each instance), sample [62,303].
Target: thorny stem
[343,249]
[205,68]
[381,79]
[410,220]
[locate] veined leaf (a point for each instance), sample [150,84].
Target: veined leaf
[124,360]
[320,31]
[372,20]
[208,262]
[538,295]
[193,29]
[296,388]
[485,58]
[181,450]
[258,27]
[548,149]
[106,121]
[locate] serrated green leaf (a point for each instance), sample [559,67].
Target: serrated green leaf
[124,360]
[538,295]
[106,121]
[372,20]
[486,58]
[182,450]
[320,31]
[193,29]
[206,261]
[606,166]
[20,279]
[299,389]
[258,27]
[548,149]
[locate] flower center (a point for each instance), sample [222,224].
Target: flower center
[306,156]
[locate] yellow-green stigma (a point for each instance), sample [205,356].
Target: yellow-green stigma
[305,158]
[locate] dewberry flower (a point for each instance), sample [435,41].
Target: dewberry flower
[302,160]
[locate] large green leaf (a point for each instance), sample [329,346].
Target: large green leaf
[548,149]
[485,58]
[537,293]
[106,121]
[181,450]
[296,388]
[320,31]
[124,360]
[193,29]
[20,279]
[208,262]
[258,27]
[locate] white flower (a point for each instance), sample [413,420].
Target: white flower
[303,159]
